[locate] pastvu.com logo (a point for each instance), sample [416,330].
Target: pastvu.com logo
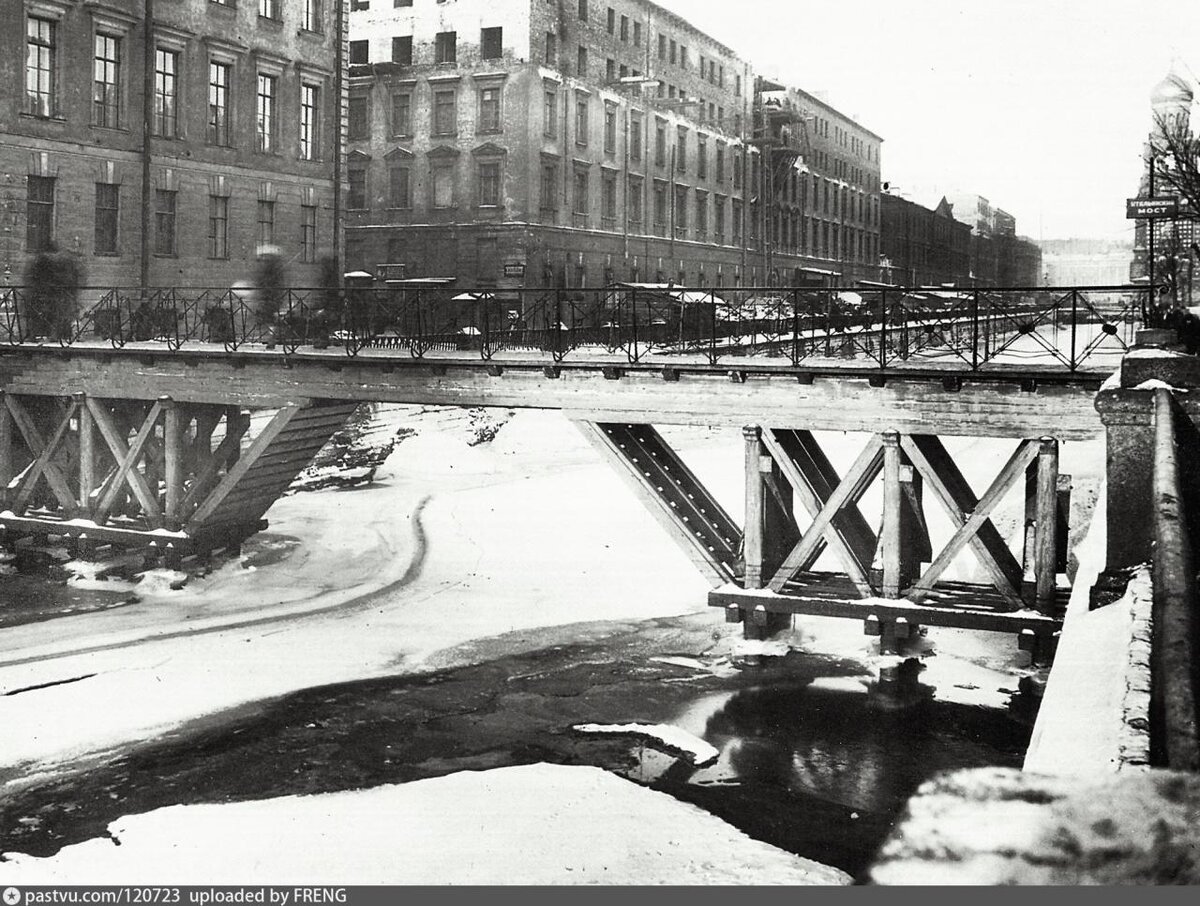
[12,896]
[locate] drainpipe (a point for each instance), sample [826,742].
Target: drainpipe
[339,92]
[147,131]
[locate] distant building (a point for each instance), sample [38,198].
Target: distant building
[519,143]
[1086,262]
[240,155]
[924,246]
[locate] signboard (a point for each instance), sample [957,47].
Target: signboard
[1148,208]
[515,270]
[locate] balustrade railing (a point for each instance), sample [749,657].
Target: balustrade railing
[964,329]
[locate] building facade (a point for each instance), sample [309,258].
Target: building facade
[924,246]
[1086,262]
[229,107]
[559,143]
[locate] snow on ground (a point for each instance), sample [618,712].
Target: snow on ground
[673,739]
[583,826]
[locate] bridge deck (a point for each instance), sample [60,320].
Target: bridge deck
[999,399]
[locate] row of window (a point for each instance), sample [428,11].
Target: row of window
[42,92]
[445,47]
[311,11]
[40,220]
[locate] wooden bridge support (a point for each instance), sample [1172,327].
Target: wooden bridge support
[891,578]
[148,474]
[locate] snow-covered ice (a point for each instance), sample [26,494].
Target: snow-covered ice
[537,824]
[673,739]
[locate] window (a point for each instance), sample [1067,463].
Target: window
[491,43]
[443,186]
[164,222]
[308,233]
[610,70]
[737,169]
[681,149]
[445,113]
[608,196]
[701,157]
[550,114]
[354,4]
[446,47]
[356,188]
[610,130]
[311,15]
[358,118]
[218,226]
[662,47]
[218,103]
[581,191]
[583,10]
[402,47]
[674,57]
[581,121]
[399,186]
[106,81]
[581,62]
[660,143]
[701,214]
[719,218]
[624,28]
[266,223]
[551,49]
[108,204]
[660,204]
[268,9]
[635,201]
[310,115]
[402,113]
[635,136]
[681,218]
[720,162]
[41,51]
[489,109]
[166,89]
[611,23]
[489,184]
[360,52]
[637,34]
[736,228]
[265,122]
[39,213]
[549,195]
[683,56]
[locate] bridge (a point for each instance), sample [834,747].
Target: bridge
[131,424]
[128,423]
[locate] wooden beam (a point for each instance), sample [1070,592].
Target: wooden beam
[87,454]
[855,568]
[866,467]
[711,565]
[236,426]
[892,502]
[127,458]
[43,463]
[1045,547]
[274,427]
[6,449]
[1013,470]
[173,461]
[935,464]
[756,504]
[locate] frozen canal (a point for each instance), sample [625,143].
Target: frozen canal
[491,590]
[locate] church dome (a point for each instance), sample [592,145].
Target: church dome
[1174,89]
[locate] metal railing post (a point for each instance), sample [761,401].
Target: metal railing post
[975,330]
[1074,325]
[883,328]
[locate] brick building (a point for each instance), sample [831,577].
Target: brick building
[529,143]
[924,246]
[242,122]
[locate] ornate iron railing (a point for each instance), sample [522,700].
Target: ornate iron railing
[967,329]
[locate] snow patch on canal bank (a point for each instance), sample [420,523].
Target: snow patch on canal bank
[538,824]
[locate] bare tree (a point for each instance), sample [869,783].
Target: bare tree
[1175,153]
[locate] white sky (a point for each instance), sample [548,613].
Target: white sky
[1041,106]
